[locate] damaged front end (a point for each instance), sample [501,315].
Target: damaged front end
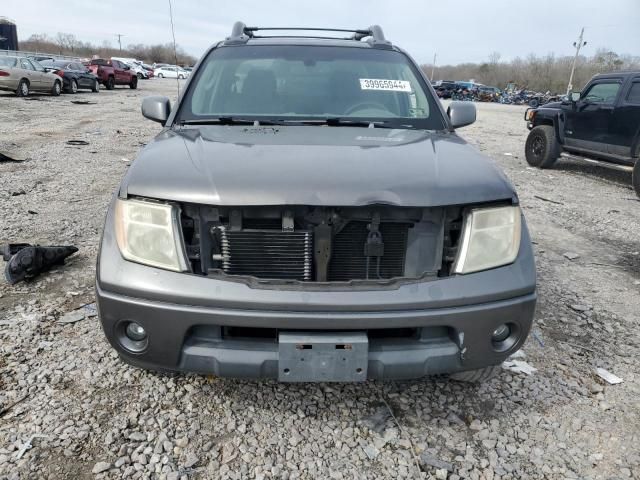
[304,245]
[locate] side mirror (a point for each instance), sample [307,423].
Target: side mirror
[461,114]
[156,108]
[127,67]
[574,96]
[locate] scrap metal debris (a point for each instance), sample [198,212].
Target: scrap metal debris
[7,158]
[77,142]
[83,102]
[28,444]
[25,261]
[571,255]
[519,366]
[608,377]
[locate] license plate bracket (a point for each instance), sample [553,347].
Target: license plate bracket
[323,356]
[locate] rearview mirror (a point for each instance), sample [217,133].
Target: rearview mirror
[461,114]
[574,96]
[156,108]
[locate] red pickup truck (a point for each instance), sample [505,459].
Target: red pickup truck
[113,72]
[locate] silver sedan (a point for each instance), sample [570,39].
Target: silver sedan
[23,75]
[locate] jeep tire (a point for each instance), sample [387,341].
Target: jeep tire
[542,148]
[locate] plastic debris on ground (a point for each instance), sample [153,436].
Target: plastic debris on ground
[25,261]
[7,158]
[608,377]
[519,366]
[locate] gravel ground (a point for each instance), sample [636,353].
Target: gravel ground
[89,415]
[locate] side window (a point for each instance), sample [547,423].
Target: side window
[602,93]
[634,93]
[26,64]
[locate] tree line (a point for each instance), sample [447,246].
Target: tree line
[539,73]
[68,44]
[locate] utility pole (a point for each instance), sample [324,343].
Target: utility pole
[119,35]
[578,45]
[433,65]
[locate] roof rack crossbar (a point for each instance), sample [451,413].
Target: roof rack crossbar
[241,34]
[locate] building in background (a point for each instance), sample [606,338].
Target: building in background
[8,34]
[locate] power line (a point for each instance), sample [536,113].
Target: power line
[175,52]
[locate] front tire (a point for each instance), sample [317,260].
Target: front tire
[134,83]
[23,88]
[96,87]
[476,376]
[57,88]
[635,177]
[73,87]
[139,76]
[160,75]
[542,148]
[181,77]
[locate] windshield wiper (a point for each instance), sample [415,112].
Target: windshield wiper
[348,122]
[231,121]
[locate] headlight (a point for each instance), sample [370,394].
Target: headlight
[148,233]
[490,238]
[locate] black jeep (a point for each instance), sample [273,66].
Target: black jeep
[601,124]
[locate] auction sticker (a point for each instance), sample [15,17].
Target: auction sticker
[381,84]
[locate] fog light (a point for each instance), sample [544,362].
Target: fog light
[501,333]
[135,332]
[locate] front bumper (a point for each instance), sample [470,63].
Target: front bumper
[185,316]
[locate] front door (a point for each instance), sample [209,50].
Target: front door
[29,71]
[587,121]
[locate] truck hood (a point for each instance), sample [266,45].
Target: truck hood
[314,165]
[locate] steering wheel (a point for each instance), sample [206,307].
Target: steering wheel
[365,105]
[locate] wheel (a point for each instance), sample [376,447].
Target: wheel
[534,102]
[111,83]
[139,76]
[476,376]
[635,177]
[95,88]
[73,87]
[134,83]
[160,75]
[181,77]
[57,88]
[541,148]
[23,88]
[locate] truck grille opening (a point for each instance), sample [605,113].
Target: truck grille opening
[304,244]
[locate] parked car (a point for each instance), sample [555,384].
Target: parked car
[309,213]
[75,75]
[135,67]
[170,72]
[23,76]
[113,72]
[601,124]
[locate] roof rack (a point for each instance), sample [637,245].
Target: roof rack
[241,34]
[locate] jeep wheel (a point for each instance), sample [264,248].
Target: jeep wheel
[23,88]
[57,88]
[542,149]
[134,83]
[635,177]
[476,376]
[111,83]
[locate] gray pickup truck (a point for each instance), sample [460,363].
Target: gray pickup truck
[599,125]
[308,213]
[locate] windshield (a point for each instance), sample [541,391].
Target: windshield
[294,82]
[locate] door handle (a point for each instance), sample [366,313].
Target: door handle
[607,107]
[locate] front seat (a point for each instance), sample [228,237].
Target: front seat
[259,93]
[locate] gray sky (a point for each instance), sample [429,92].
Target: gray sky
[458,30]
